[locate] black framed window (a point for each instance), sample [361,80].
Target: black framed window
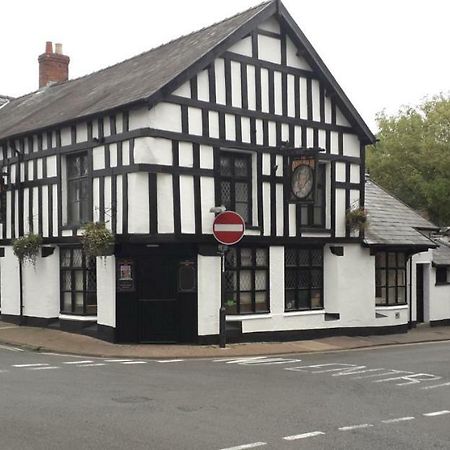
[235,183]
[78,192]
[390,278]
[442,275]
[247,280]
[314,215]
[303,278]
[78,282]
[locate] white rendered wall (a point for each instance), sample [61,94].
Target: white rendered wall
[138,203]
[209,291]
[41,292]
[106,291]
[9,267]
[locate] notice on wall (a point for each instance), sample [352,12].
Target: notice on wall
[125,275]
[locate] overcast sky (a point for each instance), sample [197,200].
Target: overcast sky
[383,53]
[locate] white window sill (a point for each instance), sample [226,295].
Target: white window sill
[391,308]
[79,318]
[238,318]
[317,312]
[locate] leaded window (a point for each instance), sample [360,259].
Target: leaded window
[314,215]
[247,280]
[235,183]
[78,192]
[78,282]
[303,278]
[390,278]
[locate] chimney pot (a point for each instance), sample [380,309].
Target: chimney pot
[53,66]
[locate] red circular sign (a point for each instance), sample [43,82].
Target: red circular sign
[228,228]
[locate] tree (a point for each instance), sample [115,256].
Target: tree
[412,157]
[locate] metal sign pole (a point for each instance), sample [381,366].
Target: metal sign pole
[222,310]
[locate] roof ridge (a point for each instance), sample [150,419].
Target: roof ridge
[145,52]
[401,201]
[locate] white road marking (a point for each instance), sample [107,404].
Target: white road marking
[30,365]
[11,349]
[91,365]
[355,427]
[237,359]
[116,360]
[243,447]
[437,413]
[79,362]
[135,362]
[43,368]
[170,360]
[415,378]
[303,435]
[398,419]
[436,386]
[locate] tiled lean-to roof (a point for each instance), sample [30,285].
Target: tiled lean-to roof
[153,74]
[441,254]
[391,222]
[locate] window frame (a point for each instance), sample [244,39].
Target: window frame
[233,179]
[297,268]
[321,180]
[254,267]
[87,265]
[385,301]
[439,271]
[70,181]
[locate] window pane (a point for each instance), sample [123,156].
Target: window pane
[260,280]
[401,259]
[67,301]
[317,216]
[392,260]
[401,295]
[261,301]
[78,274]
[66,281]
[303,279]
[91,280]
[241,167]
[245,281]
[225,194]
[316,257]
[304,220]
[246,257]
[392,297]
[231,304]
[290,257]
[230,281]
[303,259]
[290,279]
[246,302]
[391,277]
[316,278]
[230,258]
[380,259]
[316,298]
[65,257]
[225,165]
[243,210]
[77,256]
[290,300]
[303,299]
[401,277]
[241,192]
[79,302]
[261,257]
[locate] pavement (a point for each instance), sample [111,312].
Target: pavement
[50,340]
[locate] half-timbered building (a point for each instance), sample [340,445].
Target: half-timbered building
[150,145]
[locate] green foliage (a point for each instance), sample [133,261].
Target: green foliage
[97,240]
[356,218]
[26,248]
[412,157]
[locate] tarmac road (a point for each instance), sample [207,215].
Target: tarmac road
[390,397]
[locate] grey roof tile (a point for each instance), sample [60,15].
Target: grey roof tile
[441,254]
[392,222]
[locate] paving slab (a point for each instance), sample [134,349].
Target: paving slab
[45,339]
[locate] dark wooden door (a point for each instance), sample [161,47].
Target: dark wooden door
[157,299]
[419,293]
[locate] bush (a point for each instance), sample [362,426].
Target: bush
[97,240]
[356,218]
[26,248]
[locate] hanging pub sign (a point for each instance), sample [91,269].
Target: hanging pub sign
[302,175]
[125,275]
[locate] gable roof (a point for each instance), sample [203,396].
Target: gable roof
[391,222]
[153,74]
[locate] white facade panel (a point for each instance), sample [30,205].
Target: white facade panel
[203,86]
[138,118]
[165,203]
[187,204]
[242,47]
[164,116]
[219,68]
[149,150]
[236,91]
[106,291]
[208,202]
[186,158]
[340,212]
[195,121]
[138,203]
[269,49]
[351,145]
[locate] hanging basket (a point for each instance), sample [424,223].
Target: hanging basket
[356,219]
[27,247]
[97,240]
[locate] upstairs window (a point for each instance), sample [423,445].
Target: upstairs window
[390,278]
[78,192]
[314,215]
[235,183]
[442,275]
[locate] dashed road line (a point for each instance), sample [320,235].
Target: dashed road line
[436,386]
[170,360]
[30,365]
[7,347]
[43,368]
[116,360]
[436,413]
[398,419]
[303,435]
[245,446]
[79,362]
[134,362]
[91,365]
[355,427]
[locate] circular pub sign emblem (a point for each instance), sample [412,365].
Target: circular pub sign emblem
[228,228]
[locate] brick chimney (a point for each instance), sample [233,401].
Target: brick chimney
[53,66]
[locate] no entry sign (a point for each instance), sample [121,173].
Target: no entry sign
[228,228]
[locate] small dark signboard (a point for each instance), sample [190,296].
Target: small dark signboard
[125,275]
